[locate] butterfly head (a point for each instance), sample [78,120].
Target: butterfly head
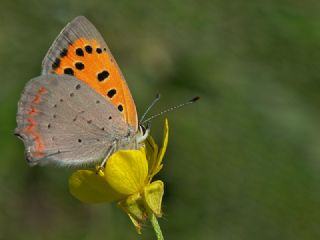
[143,132]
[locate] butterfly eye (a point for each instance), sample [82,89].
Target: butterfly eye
[142,129]
[143,133]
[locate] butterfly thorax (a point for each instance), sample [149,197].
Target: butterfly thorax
[133,140]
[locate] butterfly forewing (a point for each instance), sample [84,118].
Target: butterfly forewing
[79,50]
[64,121]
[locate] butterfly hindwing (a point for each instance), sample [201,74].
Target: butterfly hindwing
[63,120]
[80,50]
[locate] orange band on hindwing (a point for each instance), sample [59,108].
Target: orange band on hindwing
[30,129]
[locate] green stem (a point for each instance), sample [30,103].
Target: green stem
[155,224]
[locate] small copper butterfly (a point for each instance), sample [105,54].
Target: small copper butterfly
[80,110]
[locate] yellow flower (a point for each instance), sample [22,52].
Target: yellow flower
[127,179]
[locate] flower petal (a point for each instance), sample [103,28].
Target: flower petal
[156,167]
[134,207]
[135,223]
[165,140]
[151,151]
[90,187]
[126,171]
[153,194]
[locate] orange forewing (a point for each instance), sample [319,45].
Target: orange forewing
[94,62]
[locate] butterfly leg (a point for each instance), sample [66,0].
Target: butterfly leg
[110,151]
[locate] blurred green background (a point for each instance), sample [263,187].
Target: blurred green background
[243,162]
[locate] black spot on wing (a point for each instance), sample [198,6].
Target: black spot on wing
[68,71]
[103,75]
[56,63]
[79,52]
[64,52]
[88,49]
[120,107]
[111,93]
[79,65]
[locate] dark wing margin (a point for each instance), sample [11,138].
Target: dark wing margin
[80,27]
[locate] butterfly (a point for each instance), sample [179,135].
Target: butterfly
[79,110]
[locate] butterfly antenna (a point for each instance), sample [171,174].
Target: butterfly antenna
[150,106]
[171,109]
